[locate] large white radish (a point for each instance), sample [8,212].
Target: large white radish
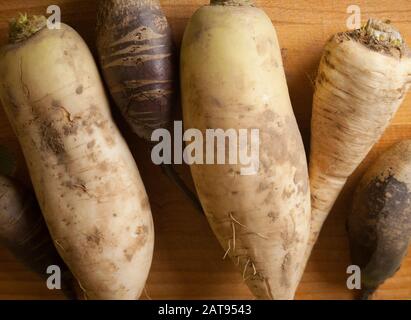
[85,178]
[232,77]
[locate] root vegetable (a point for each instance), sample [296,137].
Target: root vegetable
[362,79]
[85,179]
[24,232]
[379,225]
[139,62]
[232,78]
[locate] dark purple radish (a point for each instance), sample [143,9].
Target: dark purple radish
[379,226]
[23,232]
[138,60]
[139,64]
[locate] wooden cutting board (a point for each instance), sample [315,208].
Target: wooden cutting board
[188,260]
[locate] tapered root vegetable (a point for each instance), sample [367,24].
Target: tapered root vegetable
[138,60]
[139,63]
[85,178]
[24,232]
[379,225]
[363,77]
[232,78]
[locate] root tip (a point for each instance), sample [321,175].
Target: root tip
[383,31]
[366,294]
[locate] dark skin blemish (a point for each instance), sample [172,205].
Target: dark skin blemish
[273,215]
[91,144]
[51,139]
[79,89]
[95,237]
[56,104]
[71,129]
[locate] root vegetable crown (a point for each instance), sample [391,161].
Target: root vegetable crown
[379,36]
[232,2]
[24,27]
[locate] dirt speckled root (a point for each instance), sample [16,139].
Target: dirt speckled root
[232,77]
[379,225]
[85,178]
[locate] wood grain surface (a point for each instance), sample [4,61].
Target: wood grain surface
[188,260]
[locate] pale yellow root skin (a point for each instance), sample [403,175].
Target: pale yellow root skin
[85,178]
[232,77]
[358,92]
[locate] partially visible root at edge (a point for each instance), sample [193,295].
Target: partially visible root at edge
[366,294]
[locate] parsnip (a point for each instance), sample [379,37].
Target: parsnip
[363,78]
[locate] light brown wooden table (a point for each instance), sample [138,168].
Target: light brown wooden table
[188,261]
